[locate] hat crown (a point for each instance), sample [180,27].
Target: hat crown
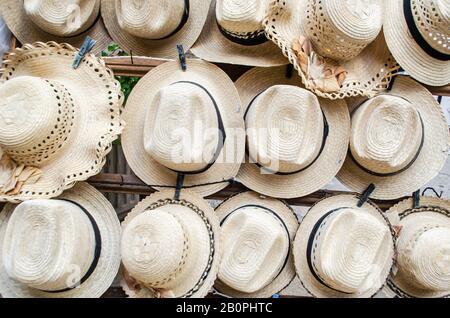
[241,16]
[63,17]
[36,118]
[147,19]
[285,128]
[49,244]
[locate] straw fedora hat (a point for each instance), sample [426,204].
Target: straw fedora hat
[399,142]
[344,249]
[335,45]
[170,247]
[185,122]
[155,28]
[234,34]
[418,35]
[59,248]
[257,235]
[423,243]
[66,21]
[296,142]
[56,123]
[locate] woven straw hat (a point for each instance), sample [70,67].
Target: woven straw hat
[257,234]
[59,248]
[155,28]
[292,150]
[170,247]
[56,123]
[418,35]
[234,34]
[185,123]
[423,244]
[65,21]
[343,249]
[335,45]
[399,142]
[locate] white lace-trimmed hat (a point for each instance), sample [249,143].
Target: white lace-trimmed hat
[234,34]
[170,247]
[59,248]
[257,235]
[155,27]
[344,248]
[418,35]
[54,119]
[65,21]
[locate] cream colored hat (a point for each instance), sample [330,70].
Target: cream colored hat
[335,45]
[185,123]
[399,142]
[59,248]
[170,247]
[344,248]
[234,34]
[63,21]
[423,243]
[296,142]
[56,123]
[418,35]
[257,234]
[155,27]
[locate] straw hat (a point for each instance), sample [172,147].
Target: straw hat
[234,34]
[296,142]
[399,142]
[343,249]
[185,123]
[59,248]
[257,234]
[418,35]
[423,244]
[64,21]
[335,45]
[155,28]
[170,247]
[56,123]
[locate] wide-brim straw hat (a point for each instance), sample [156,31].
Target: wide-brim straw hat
[280,211]
[213,46]
[97,101]
[164,48]
[102,276]
[26,31]
[367,74]
[312,224]
[200,245]
[431,157]
[327,165]
[222,90]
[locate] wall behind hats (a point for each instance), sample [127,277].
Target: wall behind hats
[5,37]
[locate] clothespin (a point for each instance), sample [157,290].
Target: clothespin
[416,199]
[182,57]
[85,49]
[180,181]
[289,71]
[366,195]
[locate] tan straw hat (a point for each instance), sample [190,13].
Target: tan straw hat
[335,45]
[59,248]
[399,142]
[185,122]
[170,247]
[418,35]
[423,243]
[234,34]
[155,28]
[296,142]
[257,235]
[64,21]
[344,248]
[56,123]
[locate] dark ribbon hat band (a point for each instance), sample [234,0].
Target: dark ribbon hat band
[184,20]
[250,39]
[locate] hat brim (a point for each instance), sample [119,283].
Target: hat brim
[108,265]
[324,168]
[432,157]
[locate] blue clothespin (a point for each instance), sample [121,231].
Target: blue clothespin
[85,49]
[182,57]
[276,296]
